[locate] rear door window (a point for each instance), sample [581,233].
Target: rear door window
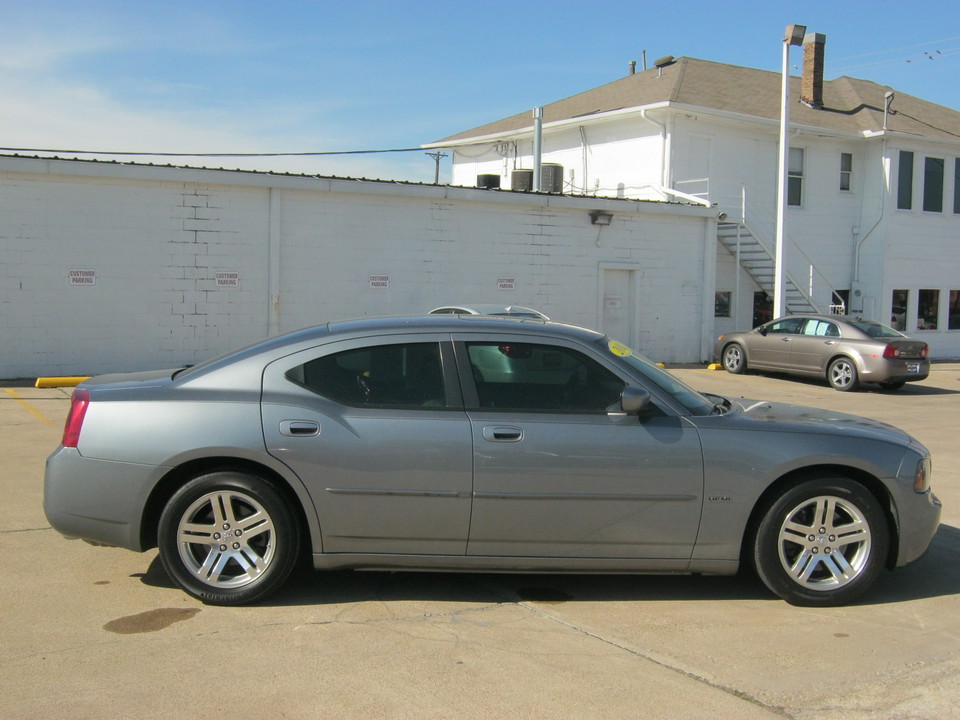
[393,376]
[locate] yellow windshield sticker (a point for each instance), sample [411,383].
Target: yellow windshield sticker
[619,349]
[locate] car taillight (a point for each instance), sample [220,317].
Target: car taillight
[79,402]
[892,351]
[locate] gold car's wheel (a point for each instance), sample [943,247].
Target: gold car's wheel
[734,359]
[822,543]
[228,538]
[842,375]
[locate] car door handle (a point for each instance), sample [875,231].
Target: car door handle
[502,433]
[299,428]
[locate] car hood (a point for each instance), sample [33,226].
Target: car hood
[783,417]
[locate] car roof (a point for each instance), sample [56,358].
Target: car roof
[280,345]
[488,309]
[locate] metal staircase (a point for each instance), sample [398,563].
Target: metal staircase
[758,261]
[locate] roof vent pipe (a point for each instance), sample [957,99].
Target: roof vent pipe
[633,67]
[887,99]
[661,63]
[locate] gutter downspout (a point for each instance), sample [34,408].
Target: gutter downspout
[663,144]
[537,146]
[273,265]
[885,165]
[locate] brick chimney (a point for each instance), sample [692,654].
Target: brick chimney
[811,87]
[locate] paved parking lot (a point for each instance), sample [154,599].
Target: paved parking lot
[91,632]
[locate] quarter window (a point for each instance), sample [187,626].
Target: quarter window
[541,378]
[846,170]
[391,376]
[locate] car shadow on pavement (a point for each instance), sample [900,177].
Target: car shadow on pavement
[911,388]
[936,574]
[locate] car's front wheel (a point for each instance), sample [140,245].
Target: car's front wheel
[734,359]
[842,375]
[821,543]
[228,538]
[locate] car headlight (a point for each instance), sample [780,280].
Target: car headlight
[921,481]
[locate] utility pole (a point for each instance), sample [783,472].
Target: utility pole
[436,157]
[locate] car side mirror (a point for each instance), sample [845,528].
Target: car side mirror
[762,330]
[634,400]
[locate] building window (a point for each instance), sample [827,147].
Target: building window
[846,170]
[795,177]
[898,311]
[905,181]
[956,185]
[762,308]
[721,305]
[928,309]
[933,184]
[954,321]
[840,302]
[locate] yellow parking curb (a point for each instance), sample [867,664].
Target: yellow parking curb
[55,382]
[714,366]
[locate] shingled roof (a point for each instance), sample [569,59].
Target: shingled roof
[849,104]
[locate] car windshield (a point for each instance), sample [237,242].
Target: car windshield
[694,402]
[875,329]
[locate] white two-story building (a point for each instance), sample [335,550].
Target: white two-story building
[873,214]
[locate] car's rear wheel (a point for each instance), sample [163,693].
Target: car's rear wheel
[734,359]
[842,375]
[228,538]
[821,543]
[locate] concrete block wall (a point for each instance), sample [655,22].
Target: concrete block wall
[181,261]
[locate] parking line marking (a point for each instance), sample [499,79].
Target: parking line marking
[29,408]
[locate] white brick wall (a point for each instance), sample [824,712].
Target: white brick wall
[157,237]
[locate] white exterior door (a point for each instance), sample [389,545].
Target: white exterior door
[618,306]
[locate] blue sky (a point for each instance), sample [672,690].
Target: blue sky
[299,76]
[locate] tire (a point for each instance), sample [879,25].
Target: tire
[842,375]
[821,543]
[734,359]
[228,538]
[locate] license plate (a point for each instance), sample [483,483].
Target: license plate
[913,368]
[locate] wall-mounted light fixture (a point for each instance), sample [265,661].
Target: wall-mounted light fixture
[600,217]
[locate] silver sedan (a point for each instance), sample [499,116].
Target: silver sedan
[483,444]
[845,351]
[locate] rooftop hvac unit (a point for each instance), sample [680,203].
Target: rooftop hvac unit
[488,181]
[551,178]
[521,180]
